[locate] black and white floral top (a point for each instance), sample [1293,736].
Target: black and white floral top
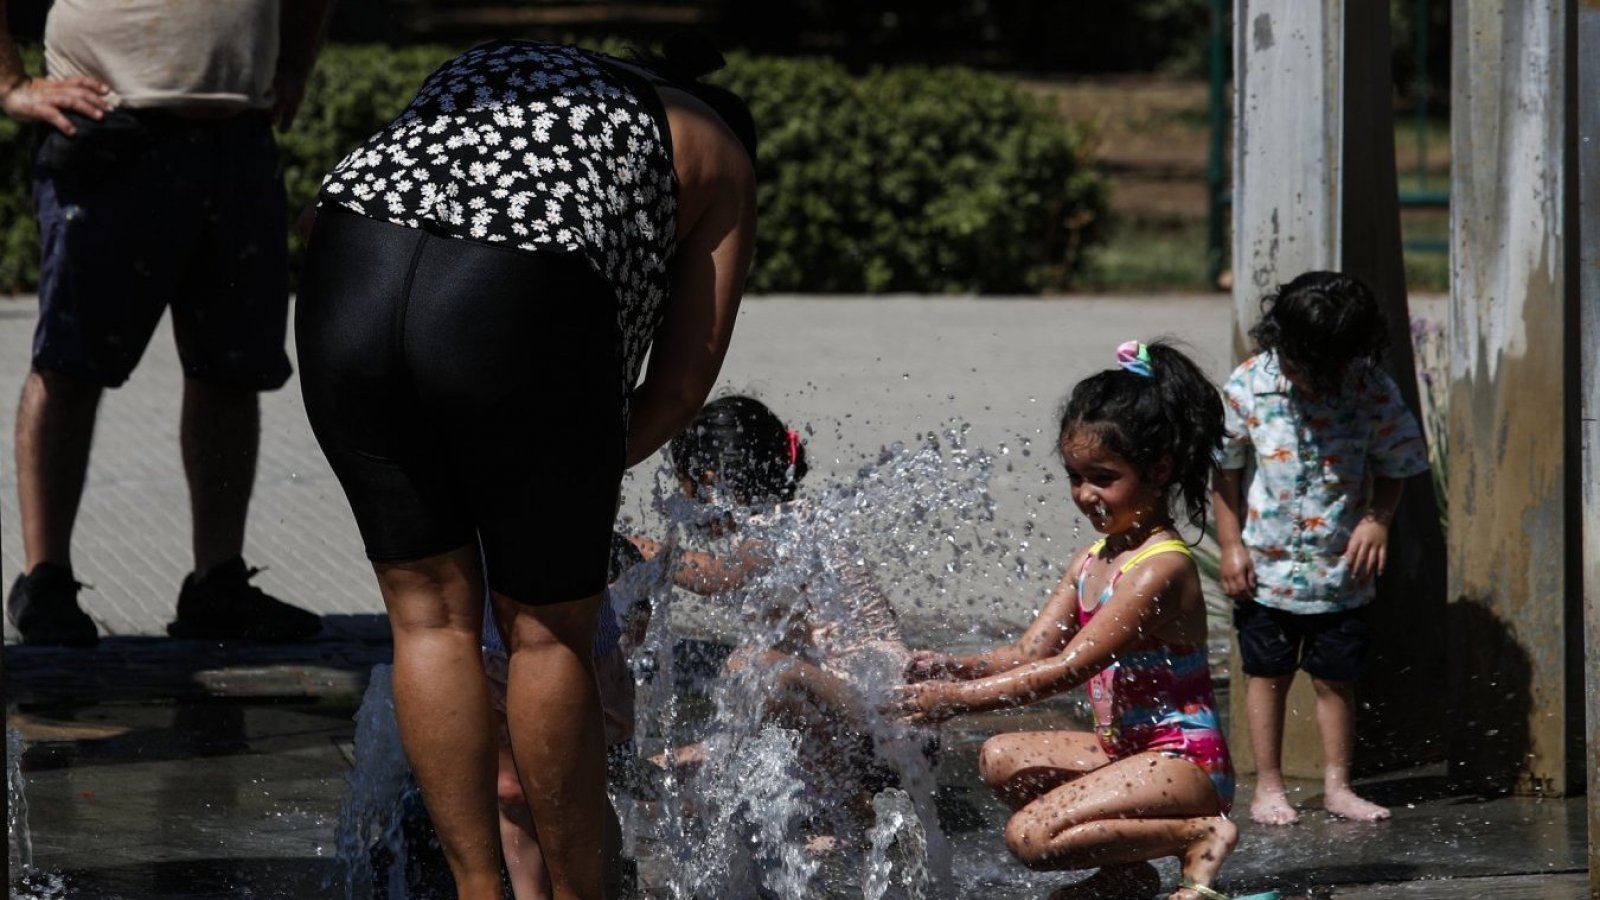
[540,147]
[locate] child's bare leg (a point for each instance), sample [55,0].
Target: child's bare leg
[1336,719]
[1129,811]
[519,842]
[1024,766]
[1265,697]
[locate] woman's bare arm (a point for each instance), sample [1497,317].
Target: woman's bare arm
[717,194]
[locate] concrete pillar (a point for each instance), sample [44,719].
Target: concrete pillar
[1315,188]
[1588,167]
[1515,613]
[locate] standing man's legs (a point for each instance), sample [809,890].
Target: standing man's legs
[221,435]
[55,428]
[229,316]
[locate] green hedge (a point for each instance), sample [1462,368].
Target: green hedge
[908,179]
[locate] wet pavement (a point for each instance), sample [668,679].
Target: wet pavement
[160,768]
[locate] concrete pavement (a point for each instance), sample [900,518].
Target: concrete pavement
[160,768]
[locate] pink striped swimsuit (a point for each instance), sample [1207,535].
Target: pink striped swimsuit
[1156,696]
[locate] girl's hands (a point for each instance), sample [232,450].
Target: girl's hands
[924,703]
[1238,575]
[647,547]
[929,665]
[1367,551]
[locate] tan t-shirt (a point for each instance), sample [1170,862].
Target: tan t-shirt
[185,54]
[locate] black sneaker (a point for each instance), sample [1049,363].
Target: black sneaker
[225,606]
[43,604]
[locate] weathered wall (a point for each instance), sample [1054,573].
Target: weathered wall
[1588,168]
[1512,608]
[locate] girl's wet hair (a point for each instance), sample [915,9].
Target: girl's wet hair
[684,59]
[1173,413]
[754,455]
[1321,323]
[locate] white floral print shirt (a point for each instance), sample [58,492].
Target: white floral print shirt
[1314,460]
[541,147]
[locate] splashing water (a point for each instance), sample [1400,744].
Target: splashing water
[792,792]
[846,790]
[21,840]
[372,841]
[899,848]
[27,882]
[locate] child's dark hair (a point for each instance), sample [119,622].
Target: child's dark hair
[684,59]
[1321,323]
[1160,406]
[754,455]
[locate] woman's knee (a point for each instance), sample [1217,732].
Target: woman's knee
[571,625]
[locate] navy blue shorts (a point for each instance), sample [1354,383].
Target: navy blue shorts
[155,211]
[1273,642]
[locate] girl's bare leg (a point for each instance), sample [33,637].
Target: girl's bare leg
[1129,811]
[558,737]
[1023,766]
[1336,720]
[1265,698]
[441,701]
[519,841]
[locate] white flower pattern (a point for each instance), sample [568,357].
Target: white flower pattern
[483,152]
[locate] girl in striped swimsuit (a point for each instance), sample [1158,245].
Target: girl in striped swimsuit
[1128,620]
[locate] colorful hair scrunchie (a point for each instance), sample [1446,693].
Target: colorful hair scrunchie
[1135,357]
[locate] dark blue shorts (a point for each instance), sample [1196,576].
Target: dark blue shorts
[1273,642]
[157,211]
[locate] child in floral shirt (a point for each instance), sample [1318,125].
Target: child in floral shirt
[1331,444]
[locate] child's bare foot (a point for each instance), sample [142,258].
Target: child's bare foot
[1272,808]
[1137,881]
[822,844]
[1346,805]
[1203,859]
[684,759]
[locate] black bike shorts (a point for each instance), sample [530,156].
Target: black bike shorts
[466,394]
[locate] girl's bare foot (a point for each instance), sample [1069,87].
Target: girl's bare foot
[1136,881]
[684,759]
[1272,808]
[1346,805]
[822,844]
[1202,860]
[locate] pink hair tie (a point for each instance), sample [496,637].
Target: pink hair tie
[1135,357]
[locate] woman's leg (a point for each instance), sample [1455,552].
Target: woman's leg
[1132,810]
[441,701]
[558,738]
[1024,766]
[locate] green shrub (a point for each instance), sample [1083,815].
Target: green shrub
[19,234]
[912,179]
[908,179]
